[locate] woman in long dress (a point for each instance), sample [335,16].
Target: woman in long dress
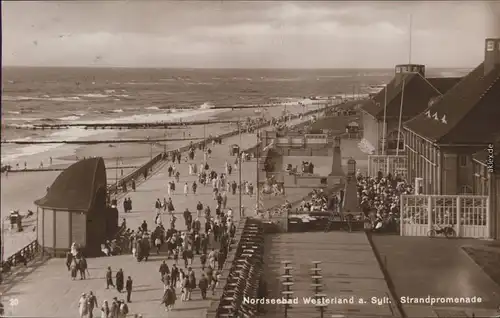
[105,310]
[83,308]
[74,269]
[169,298]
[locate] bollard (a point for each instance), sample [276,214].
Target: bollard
[287,285]
[317,284]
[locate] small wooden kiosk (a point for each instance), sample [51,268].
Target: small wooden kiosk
[75,210]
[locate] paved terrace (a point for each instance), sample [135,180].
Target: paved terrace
[33,288]
[442,269]
[349,269]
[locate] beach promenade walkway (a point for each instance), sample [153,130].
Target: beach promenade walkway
[49,291]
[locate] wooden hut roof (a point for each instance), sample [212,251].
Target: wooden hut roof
[75,188]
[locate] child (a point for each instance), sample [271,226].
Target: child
[203,260]
[176,256]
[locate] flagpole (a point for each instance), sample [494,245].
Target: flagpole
[400,115]
[409,53]
[384,127]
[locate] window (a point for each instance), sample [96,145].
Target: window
[398,69]
[392,140]
[490,46]
[463,160]
[465,189]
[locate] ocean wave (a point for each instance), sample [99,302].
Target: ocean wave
[141,83]
[91,95]
[43,98]
[117,110]
[334,76]
[13,112]
[109,91]
[207,105]
[152,108]
[25,119]
[297,79]
[70,118]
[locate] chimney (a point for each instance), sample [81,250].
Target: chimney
[491,55]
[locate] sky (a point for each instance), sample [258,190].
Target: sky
[252,34]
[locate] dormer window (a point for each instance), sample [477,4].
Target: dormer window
[490,46]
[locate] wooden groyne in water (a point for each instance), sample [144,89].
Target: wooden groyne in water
[134,125]
[93,142]
[63,168]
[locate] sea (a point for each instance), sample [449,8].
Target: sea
[58,95]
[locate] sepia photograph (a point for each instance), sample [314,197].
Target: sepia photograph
[240,159]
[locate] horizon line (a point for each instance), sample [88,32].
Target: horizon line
[231,68]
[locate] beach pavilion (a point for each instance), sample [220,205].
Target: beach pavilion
[408,94]
[75,210]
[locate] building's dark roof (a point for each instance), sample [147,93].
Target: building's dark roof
[444,84]
[75,188]
[334,122]
[417,94]
[471,110]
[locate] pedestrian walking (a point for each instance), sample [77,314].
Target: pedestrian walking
[109,278]
[91,303]
[83,308]
[169,298]
[203,285]
[128,287]
[105,311]
[119,280]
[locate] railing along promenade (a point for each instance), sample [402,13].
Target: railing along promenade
[22,257]
[33,248]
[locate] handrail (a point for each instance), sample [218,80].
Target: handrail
[26,254]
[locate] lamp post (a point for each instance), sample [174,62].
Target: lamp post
[258,170]
[150,148]
[2,245]
[384,125]
[165,142]
[239,169]
[204,135]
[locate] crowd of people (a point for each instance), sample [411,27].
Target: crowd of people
[272,186]
[379,198]
[205,240]
[306,168]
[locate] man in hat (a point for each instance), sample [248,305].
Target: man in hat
[128,288]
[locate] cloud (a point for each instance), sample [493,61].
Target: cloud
[242,34]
